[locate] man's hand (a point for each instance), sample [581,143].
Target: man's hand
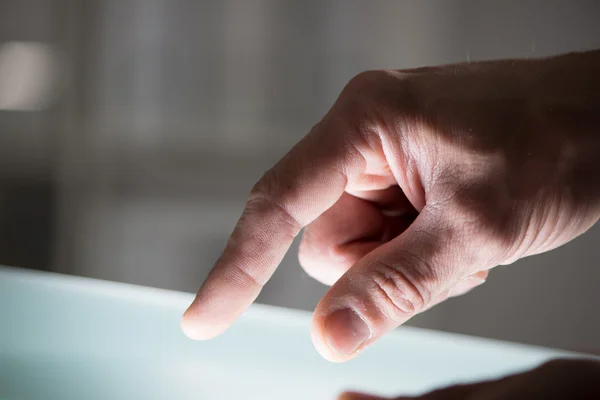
[559,379]
[412,187]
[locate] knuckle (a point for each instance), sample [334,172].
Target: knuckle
[244,249]
[366,87]
[264,201]
[263,188]
[360,105]
[363,79]
[400,287]
[247,277]
[379,100]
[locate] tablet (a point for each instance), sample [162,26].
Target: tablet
[65,337]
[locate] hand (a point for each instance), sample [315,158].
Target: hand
[412,187]
[560,379]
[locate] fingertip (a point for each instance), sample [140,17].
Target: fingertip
[316,334]
[194,329]
[190,327]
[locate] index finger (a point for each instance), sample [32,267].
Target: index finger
[304,184]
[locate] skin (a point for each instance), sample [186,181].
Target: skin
[412,187]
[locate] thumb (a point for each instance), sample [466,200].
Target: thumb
[391,284]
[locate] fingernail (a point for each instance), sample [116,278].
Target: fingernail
[345,331]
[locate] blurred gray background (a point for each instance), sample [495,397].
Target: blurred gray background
[132,130]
